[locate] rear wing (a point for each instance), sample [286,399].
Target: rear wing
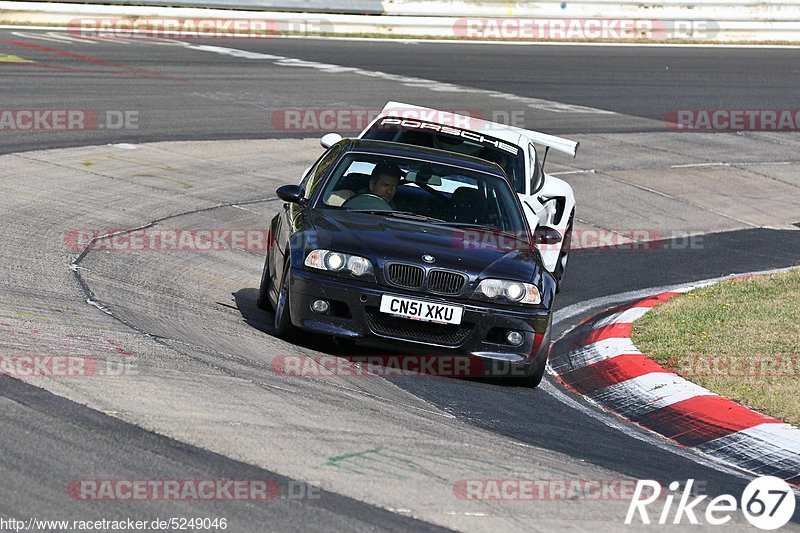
[551,141]
[495,129]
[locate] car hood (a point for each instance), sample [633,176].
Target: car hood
[481,253]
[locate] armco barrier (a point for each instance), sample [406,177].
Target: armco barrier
[366,7]
[702,20]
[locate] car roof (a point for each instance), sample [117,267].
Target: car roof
[512,134]
[433,155]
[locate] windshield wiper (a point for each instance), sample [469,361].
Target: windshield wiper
[398,214]
[416,216]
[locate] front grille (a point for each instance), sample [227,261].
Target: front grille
[445,282]
[408,276]
[416,330]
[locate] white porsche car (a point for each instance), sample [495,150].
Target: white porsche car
[549,202]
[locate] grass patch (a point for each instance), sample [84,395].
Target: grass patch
[740,339]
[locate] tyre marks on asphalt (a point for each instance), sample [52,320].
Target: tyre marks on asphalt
[118,67]
[408,81]
[103,447]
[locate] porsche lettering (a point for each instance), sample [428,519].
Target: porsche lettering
[449,130]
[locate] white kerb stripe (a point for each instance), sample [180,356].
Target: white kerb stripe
[766,449]
[642,394]
[602,350]
[623,317]
[785,436]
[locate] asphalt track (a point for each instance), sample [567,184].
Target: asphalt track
[182,94]
[187,95]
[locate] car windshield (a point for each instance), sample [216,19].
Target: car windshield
[445,138]
[432,192]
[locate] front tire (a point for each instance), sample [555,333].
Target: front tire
[283,316]
[534,373]
[262,301]
[563,256]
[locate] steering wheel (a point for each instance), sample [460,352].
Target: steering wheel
[367,201]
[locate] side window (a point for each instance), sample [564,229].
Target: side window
[314,176]
[536,171]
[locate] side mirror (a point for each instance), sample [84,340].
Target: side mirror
[329,139]
[546,235]
[290,193]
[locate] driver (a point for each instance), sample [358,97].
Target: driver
[495,156]
[384,180]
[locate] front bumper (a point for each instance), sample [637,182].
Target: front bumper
[354,314]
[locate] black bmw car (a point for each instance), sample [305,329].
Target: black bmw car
[410,249]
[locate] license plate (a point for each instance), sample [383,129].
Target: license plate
[421,310]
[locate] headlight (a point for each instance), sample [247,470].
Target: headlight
[359,265]
[513,291]
[334,261]
[338,262]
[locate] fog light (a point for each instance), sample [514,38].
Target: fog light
[320,306]
[514,338]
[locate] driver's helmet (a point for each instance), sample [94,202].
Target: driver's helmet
[451,143]
[495,156]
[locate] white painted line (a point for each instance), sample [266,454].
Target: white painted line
[409,81]
[567,173]
[53,36]
[677,199]
[759,163]
[694,165]
[735,164]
